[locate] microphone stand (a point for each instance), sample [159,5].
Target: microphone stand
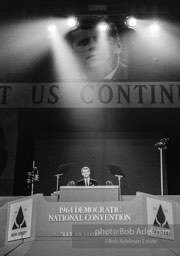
[119,189]
[117,172]
[62,168]
[57,185]
[57,181]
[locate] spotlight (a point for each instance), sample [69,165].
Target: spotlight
[155,27]
[72,22]
[131,22]
[102,26]
[52,28]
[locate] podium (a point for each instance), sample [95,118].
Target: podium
[38,226]
[88,194]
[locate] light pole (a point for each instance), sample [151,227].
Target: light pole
[161,145]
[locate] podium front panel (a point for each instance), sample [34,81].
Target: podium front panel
[88,194]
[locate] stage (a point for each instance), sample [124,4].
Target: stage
[143,224]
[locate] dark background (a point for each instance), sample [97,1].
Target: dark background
[95,137]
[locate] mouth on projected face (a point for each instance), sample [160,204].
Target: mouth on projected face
[95,57]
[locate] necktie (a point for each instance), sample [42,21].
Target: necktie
[86,182]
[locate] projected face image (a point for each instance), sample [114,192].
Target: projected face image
[86,45]
[99,58]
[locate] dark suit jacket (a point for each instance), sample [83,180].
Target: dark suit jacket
[91,182]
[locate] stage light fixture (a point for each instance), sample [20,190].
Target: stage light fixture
[52,28]
[72,22]
[155,27]
[102,26]
[131,22]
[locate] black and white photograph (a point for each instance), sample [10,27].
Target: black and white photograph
[89,128]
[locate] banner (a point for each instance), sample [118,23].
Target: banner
[20,219]
[90,95]
[160,218]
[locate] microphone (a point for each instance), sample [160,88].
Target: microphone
[109,183]
[57,175]
[118,175]
[71,183]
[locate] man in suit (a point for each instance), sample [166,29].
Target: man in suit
[86,181]
[99,58]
